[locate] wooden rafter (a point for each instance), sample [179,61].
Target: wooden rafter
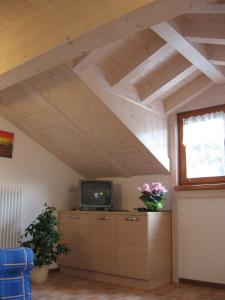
[146,64]
[164,88]
[138,60]
[182,45]
[124,88]
[170,72]
[187,94]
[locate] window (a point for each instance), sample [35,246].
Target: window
[201,138]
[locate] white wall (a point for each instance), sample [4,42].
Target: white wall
[43,177]
[126,196]
[198,216]
[200,234]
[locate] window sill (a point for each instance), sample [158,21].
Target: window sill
[195,187]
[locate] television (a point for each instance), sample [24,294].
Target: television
[95,194]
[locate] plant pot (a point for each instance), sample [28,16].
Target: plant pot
[39,275]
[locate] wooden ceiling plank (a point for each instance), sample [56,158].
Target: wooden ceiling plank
[75,28]
[187,94]
[14,12]
[39,3]
[183,46]
[203,28]
[216,54]
[33,133]
[209,9]
[49,107]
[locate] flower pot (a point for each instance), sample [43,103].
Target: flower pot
[39,275]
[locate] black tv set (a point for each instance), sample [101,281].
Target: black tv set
[95,194]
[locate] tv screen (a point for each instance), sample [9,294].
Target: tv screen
[95,194]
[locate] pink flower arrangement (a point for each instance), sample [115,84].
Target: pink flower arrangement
[152,195]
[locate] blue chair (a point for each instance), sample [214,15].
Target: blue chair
[15,267]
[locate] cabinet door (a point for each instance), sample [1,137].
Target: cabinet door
[103,243]
[75,229]
[132,246]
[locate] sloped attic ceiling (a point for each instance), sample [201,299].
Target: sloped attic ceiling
[59,111]
[93,83]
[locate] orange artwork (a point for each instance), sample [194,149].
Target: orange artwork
[6,144]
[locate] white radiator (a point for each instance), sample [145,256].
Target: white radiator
[10,216]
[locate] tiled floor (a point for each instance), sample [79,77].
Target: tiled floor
[62,287]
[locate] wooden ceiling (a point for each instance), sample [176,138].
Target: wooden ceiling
[94,82]
[58,110]
[14,12]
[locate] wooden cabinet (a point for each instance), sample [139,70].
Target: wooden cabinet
[91,239]
[75,229]
[130,247]
[103,243]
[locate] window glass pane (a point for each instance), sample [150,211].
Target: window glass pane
[204,141]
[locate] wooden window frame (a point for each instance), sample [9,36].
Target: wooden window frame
[183,180]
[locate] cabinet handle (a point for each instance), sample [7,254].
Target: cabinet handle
[103,218]
[73,217]
[132,219]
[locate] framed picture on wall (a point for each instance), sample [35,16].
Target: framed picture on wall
[6,144]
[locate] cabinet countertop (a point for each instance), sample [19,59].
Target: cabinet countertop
[129,212]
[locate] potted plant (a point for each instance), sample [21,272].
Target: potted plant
[153,195]
[44,241]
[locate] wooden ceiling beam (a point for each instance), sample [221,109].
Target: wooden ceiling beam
[187,94]
[124,88]
[163,51]
[206,40]
[126,91]
[170,80]
[183,46]
[139,60]
[166,69]
[66,29]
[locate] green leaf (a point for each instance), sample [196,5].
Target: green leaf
[44,238]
